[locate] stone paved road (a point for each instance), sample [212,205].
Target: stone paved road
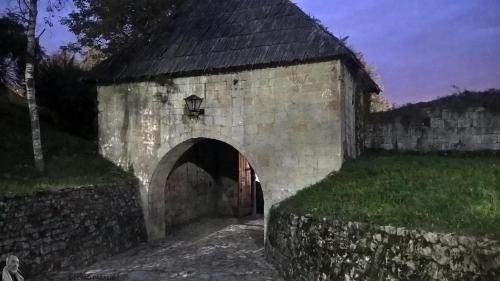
[212,249]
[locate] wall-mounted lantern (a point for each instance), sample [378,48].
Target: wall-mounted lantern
[193,104]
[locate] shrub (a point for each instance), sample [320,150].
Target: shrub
[70,101]
[458,102]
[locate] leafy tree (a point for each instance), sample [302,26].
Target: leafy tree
[109,25]
[26,13]
[71,101]
[15,51]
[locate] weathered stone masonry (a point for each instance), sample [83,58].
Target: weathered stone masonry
[204,182]
[304,248]
[287,121]
[276,86]
[436,129]
[71,228]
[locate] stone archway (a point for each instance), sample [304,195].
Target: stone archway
[292,135]
[164,208]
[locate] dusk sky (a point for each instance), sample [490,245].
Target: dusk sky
[419,48]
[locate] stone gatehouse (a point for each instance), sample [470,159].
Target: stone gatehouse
[283,104]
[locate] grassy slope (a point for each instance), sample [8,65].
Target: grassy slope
[457,194]
[70,161]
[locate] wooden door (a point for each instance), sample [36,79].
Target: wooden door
[244,187]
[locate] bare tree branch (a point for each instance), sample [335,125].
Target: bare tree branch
[26,5]
[40,35]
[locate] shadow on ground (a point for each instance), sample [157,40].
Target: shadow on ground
[210,249]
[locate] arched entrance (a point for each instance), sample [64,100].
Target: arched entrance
[200,178]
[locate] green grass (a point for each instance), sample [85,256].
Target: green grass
[70,161]
[456,193]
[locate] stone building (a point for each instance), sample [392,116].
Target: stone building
[283,102]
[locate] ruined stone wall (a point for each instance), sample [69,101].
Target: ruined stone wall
[70,228]
[303,248]
[286,121]
[434,129]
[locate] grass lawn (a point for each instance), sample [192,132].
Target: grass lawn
[70,161]
[456,193]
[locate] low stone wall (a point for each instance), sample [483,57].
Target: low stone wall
[70,228]
[429,129]
[303,248]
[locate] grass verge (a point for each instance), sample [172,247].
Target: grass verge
[70,161]
[453,194]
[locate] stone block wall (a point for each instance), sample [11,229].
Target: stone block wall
[70,228]
[189,193]
[434,129]
[303,248]
[286,121]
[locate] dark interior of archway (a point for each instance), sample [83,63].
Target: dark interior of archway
[259,199]
[211,179]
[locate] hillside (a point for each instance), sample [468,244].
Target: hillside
[70,161]
[438,193]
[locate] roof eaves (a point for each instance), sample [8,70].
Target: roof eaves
[215,71]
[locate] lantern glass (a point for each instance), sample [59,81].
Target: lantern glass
[197,104]
[193,104]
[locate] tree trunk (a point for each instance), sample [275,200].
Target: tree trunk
[30,87]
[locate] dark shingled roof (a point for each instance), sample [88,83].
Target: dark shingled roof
[210,36]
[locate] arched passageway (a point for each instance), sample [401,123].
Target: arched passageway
[206,178]
[259,199]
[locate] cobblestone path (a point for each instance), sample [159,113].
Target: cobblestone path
[212,249]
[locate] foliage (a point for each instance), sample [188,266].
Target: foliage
[12,32]
[458,102]
[19,11]
[91,58]
[13,54]
[457,194]
[26,13]
[71,161]
[370,70]
[71,101]
[379,103]
[110,25]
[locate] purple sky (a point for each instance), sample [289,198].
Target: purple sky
[55,36]
[419,48]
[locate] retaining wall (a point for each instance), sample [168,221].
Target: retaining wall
[304,248]
[70,228]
